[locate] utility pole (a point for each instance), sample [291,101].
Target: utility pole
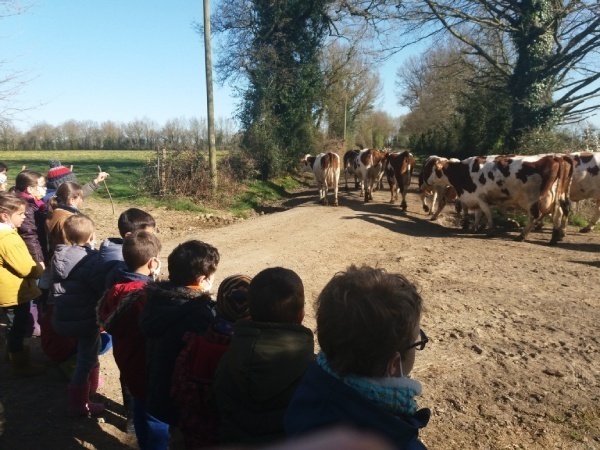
[345,112]
[212,151]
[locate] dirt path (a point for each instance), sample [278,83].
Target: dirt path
[514,355]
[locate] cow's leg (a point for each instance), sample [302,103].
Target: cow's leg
[441,203]
[346,177]
[487,212]
[325,189]
[392,185]
[357,184]
[592,223]
[335,189]
[535,216]
[403,188]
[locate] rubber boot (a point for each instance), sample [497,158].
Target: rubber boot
[21,367]
[79,401]
[128,404]
[96,381]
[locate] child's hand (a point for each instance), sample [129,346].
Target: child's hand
[101,177]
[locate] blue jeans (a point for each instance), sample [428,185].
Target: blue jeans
[140,422]
[158,433]
[88,348]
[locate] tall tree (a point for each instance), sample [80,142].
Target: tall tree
[352,87]
[549,62]
[273,47]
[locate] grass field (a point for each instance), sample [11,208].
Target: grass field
[124,166]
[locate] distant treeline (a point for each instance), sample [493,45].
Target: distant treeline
[139,134]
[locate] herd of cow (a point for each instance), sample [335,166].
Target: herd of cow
[542,185]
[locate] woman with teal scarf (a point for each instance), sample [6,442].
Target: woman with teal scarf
[369,329]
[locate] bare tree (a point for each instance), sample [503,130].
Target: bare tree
[548,59]
[12,82]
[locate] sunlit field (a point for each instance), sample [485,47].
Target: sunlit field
[125,167]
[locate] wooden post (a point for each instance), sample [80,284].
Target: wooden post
[212,151]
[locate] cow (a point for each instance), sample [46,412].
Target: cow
[371,163]
[438,195]
[586,183]
[538,184]
[398,170]
[351,167]
[326,169]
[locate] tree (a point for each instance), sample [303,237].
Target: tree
[273,47]
[11,81]
[352,87]
[548,61]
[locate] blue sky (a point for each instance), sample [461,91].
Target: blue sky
[119,60]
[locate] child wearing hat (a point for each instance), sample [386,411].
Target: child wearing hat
[59,174]
[197,362]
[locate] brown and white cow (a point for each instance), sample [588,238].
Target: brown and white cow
[351,167]
[326,169]
[371,163]
[538,184]
[398,170]
[586,183]
[437,195]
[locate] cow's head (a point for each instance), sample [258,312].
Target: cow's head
[307,163]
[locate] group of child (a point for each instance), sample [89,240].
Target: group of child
[199,372]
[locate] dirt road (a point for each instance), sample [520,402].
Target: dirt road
[513,360]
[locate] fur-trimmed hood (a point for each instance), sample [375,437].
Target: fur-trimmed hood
[167,303]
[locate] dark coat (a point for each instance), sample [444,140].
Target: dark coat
[169,313]
[118,313]
[33,230]
[73,269]
[322,401]
[257,377]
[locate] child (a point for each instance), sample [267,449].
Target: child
[173,308]
[73,268]
[111,255]
[265,362]
[18,272]
[58,174]
[118,313]
[3,176]
[31,186]
[66,201]
[110,264]
[368,327]
[198,361]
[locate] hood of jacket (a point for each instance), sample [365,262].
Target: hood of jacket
[167,303]
[68,257]
[111,249]
[266,359]
[322,400]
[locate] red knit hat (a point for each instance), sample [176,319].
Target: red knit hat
[58,175]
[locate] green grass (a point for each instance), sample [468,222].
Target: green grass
[124,167]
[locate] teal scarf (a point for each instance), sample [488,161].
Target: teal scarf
[395,395]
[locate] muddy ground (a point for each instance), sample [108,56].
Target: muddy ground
[513,360]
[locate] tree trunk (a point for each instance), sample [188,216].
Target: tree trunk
[531,85]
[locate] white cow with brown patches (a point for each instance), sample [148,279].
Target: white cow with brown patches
[326,169]
[586,183]
[372,164]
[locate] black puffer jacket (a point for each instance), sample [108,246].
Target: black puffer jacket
[73,270]
[257,378]
[169,313]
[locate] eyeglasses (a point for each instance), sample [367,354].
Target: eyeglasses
[419,345]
